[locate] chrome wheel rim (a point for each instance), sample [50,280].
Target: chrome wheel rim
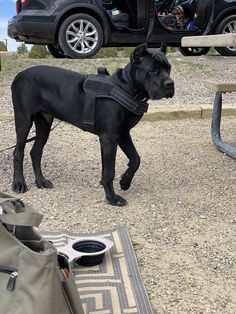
[81,36]
[230,28]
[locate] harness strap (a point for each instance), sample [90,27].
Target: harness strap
[102,86]
[89,112]
[136,106]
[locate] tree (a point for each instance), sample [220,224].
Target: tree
[38,52]
[22,50]
[3,47]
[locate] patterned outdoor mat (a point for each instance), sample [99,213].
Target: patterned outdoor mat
[114,286]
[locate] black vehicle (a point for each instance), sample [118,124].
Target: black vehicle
[79,28]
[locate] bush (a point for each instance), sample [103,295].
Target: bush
[3,47]
[38,52]
[22,50]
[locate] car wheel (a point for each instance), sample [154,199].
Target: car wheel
[193,51]
[80,36]
[227,26]
[56,51]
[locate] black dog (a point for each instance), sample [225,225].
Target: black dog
[42,92]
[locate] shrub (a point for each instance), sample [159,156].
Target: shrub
[38,52]
[22,50]
[3,47]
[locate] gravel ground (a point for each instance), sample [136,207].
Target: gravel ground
[181,206]
[180,212]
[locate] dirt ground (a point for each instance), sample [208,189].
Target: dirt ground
[180,212]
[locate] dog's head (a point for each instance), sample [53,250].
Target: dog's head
[151,72]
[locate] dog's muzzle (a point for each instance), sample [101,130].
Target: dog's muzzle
[165,89]
[169,88]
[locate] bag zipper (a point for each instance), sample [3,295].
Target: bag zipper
[13,275]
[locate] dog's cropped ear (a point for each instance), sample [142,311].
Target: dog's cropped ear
[163,48]
[139,53]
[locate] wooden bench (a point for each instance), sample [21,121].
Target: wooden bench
[220,87]
[222,40]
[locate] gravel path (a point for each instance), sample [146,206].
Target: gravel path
[181,206]
[180,212]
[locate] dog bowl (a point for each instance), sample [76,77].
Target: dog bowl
[87,251]
[90,246]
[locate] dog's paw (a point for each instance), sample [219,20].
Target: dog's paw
[125,182]
[19,187]
[124,185]
[44,184]
[117,201]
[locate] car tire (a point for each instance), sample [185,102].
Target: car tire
[56,51]
[193,51]
[227,26]
[73,39]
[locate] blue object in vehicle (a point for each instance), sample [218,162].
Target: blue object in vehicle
[190,24]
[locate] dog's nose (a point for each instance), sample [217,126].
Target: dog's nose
[169,84]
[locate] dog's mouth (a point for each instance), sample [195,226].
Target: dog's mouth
[170,94]
[167,94]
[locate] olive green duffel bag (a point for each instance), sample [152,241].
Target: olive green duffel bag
[34,278]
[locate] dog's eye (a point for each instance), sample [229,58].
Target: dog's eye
[154,70]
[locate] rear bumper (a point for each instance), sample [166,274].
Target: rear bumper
[31,29]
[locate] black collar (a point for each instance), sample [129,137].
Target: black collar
[138,107]
[127,93]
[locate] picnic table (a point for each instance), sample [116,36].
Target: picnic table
[219,87]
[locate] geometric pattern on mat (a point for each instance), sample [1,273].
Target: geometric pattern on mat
[114,286]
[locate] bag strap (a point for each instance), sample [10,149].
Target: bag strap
[7,199]
[15,212]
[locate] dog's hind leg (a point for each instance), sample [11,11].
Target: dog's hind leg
[108,150]
[43,127]
[127,146]
[22,131]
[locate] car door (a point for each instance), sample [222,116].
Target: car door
[172,35]
[141,17]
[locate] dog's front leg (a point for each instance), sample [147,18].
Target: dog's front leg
[127,146]
[108,151]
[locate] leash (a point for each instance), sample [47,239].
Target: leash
[28,140]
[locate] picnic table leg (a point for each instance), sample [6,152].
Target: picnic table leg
[215,128]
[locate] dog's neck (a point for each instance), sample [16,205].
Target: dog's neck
[125,79]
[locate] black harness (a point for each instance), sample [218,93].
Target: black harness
[102,85]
